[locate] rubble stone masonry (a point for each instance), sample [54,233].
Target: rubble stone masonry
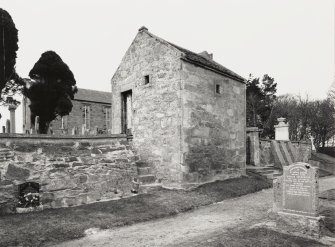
[69,171]
[181,127]
[214,130]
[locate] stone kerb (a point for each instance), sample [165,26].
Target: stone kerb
[296,200]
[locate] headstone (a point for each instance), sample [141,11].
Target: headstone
[296,200]
[83,129]
[281,130]
[37,124]
[8,126]
[3,129]
[300,189]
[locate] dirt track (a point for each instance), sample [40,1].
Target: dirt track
[182,229]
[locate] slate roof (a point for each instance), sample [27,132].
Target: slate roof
[199,60]
[93,96]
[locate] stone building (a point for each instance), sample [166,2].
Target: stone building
[90,107]
[185,111]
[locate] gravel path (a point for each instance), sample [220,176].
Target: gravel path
[239,212]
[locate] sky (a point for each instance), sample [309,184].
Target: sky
[291,40]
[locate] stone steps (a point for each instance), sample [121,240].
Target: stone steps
[143,170]
[145,178]
[148,188]
[5,153]
[269,171]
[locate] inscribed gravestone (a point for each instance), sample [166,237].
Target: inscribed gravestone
[300,189]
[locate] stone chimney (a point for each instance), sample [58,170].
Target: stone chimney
[143,28]
[206,55]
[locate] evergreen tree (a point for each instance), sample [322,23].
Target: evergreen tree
[8,48]
[260,98]
[51,89]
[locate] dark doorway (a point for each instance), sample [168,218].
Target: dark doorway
[126,112]
[248,151]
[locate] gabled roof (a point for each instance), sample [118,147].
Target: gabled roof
[93,96]
[198,59]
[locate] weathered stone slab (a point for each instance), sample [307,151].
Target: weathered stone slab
[311,226]
[300,189]
[18,173]
[278,194]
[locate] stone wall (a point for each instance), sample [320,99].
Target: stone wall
[214,125]
[303,151]
[156,105]
[70,171]
[181,128]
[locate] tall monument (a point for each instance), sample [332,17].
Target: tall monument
[12,105]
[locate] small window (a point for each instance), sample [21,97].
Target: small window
[86,116]
[107,117]
[218,89]
[146,79]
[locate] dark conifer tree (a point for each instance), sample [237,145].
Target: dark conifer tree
[51,90]
[8,48]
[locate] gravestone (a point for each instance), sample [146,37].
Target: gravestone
[7,126]
[3,129]
[296,200]
[37,124]
[83,129]
[300,189]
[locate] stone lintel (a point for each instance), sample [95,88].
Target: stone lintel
[253,129]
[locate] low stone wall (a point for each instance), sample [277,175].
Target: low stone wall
[69,171]
[304,150]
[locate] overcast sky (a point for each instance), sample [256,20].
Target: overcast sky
[291,40]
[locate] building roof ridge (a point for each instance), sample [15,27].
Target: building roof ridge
[196,58]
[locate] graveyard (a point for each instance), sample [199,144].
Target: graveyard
[215,127]
[292,205]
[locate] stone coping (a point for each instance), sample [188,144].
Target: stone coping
[58,139]
[68,137]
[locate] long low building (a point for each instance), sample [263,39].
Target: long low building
[90,108]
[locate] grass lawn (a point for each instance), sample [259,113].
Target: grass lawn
[57,225]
